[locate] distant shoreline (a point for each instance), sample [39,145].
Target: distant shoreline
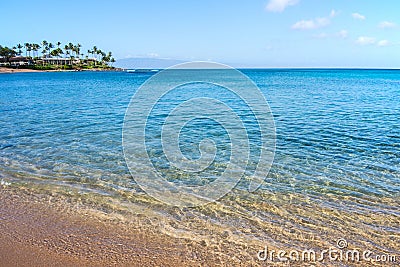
[22,70]
[15,70]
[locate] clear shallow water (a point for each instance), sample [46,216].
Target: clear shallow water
[338,140]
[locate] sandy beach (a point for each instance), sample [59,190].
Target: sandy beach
[43,230]
[9,70]
[49,229]
[34,233]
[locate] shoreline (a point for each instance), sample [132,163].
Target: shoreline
[4,70]
[39,229]
[57,226]
[48,232]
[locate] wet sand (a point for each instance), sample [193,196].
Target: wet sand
[49,228]
[41,230]
[54,230]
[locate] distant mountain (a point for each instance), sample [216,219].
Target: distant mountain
[146,63]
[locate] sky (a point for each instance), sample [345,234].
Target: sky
[270,33]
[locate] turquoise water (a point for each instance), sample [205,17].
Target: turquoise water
[337,130]
[338,133]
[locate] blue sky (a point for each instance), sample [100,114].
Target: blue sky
[270,33]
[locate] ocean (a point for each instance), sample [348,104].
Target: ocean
[335,172]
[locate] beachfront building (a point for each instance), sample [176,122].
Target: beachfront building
[3,61]
[16,61]
[65,61]
[58,61]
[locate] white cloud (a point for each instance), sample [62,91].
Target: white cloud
[358,16]
[304,25]
[386,25]
[365,40]
[343,34]
[280,5]
[314,23]
[383,43]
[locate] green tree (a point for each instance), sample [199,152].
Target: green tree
[50,47]
[56,53]
[94,51]
[78,50]
[7,53]
[45,46]
[107,57]
[19,46]
[35,48]
[66,48]
[26,45]
[72,49]
[28,50]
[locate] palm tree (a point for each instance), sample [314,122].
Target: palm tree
[103,57]
[50,46]
[45,48]
[99,53]
[19,46]
[107,57]
[67,54]
[59,49]
[28,49]
[72,49]
[14,48]
[71,46]
[56,53]
[94,51]
[78,49]
[66,48]
[26,45]
[35,48]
